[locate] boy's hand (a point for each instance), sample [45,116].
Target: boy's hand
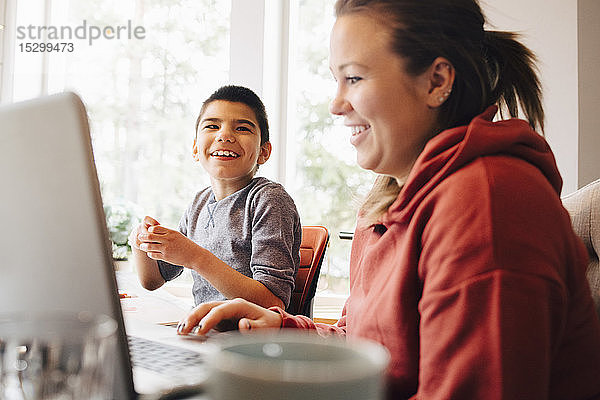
[146,223]
[165,244]
[247,316]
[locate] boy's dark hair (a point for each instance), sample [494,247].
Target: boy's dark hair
[240,94]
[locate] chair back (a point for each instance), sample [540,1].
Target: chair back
[312,252]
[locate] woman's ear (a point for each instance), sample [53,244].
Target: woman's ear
[265,153]
[441,75]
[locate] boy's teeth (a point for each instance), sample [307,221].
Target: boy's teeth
[224,153]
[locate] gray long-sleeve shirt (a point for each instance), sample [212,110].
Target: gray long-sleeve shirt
[255,230]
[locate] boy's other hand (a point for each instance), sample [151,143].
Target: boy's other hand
[168,245]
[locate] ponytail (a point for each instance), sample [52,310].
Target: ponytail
[513,77]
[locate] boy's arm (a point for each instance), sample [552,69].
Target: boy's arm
[276,237]
[147,270]
[232,283]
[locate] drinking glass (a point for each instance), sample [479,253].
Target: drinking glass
[56,356]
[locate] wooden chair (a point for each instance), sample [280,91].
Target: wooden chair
[312,253]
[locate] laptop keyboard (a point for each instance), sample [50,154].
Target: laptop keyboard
[160,357]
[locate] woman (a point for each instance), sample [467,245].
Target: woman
[464,263]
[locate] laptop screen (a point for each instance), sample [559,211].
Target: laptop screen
[54,243]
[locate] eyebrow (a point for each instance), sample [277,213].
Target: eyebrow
[348,64]
[239,121]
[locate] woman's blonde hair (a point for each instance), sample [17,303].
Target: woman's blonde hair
[384,192]
[492,67]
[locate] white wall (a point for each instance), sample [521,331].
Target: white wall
[567,48]
[589,90]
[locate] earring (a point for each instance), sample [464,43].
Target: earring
[444,96]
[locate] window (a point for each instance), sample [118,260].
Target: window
[143,94]
[322,173]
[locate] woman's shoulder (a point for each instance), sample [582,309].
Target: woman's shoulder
[494,194]
[496,176]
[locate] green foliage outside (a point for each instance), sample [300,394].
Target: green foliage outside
[121,218]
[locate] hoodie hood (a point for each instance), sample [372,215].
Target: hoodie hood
[450,150]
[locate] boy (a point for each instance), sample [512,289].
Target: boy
[240,236]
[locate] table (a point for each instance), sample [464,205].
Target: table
[158,306]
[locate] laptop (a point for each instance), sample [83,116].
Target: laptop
[56,252]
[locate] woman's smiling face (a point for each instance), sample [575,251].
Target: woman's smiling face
[385,107]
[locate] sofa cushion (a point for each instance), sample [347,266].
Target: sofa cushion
[584,207]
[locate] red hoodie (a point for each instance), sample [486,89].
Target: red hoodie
[475,280]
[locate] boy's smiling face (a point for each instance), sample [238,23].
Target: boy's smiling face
[228,146]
